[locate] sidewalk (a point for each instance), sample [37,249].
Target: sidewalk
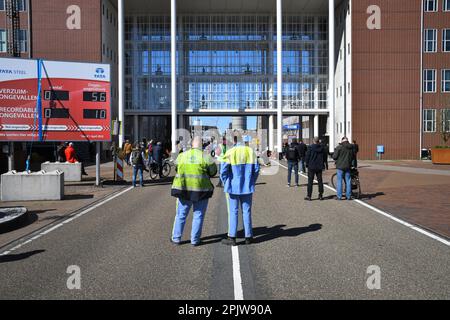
[78,195]
[415,191]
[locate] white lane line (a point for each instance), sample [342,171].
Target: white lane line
[237,280]
[76,216]
[387,215]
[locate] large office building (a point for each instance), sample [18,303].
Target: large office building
[375,71]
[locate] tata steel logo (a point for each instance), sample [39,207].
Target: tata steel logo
[100,73]
[9,71]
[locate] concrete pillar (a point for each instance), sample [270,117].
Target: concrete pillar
[173,67]
[136,128]
[97,164]
[316,125]
[121,40]
[271,133]
[280,75]
[332,65]
[10,156]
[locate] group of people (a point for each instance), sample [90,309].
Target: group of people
[66,153]
[141,154]
[315,159]
[192,186]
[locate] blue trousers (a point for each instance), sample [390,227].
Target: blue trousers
[139,168]
[348,182]
[233,202]
[183,208]
[293,165]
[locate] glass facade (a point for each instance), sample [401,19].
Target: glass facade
[226,62]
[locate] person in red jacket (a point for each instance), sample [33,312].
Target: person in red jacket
[71,157]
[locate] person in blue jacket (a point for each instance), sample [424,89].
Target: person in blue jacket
[239,172]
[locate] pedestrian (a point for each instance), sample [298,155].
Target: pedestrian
[127,148]
[71,157]
[60,152]
[327,153]
[293,157]
[158,157]
[137,161]
[302,147]
[314,161]
[220,153]
[150,152]
[343,155]
[193,188]
[239,173]
[355,154]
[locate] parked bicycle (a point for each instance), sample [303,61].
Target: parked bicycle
[166,169]
[355,181]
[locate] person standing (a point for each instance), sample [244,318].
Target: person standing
[137,161]
[327,152]
[220,154]
[343,155]
[127,148]
[158,157]
[239,173]
[60,152]
[314,161]
[293,157]
[302,149]
[193,188]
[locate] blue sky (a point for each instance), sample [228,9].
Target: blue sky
[223,122]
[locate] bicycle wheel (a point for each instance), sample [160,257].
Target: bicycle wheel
[334,182]
[356,188]
[153,172]
[166,170]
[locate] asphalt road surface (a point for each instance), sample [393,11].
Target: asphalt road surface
[302,250]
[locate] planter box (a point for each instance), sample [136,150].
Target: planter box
[440,156]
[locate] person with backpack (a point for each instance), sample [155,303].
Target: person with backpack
[302,147]
[60,152]
[137,161]
[293,157]
[344,157]
[315,163]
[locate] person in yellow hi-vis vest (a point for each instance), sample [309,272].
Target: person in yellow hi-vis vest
[239,173]
[193,188]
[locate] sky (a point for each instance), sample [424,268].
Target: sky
[223,122]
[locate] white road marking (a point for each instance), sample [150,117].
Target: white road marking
[387,215]
[237,280]
[72,218]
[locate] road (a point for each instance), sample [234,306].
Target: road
[302,250]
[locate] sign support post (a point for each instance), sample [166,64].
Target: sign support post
[97,164]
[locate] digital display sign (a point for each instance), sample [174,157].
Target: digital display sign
[75,102]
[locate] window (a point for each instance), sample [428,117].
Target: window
[429,78]
[429,120]
[2,5]
[23,40]
[446,5]
[3,40]
[430,40]
[430,5]
[446,120]
[446,80]
[21,5]
[446,40]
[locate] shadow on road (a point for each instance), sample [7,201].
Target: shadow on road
[263,234]
[19,257]
[371,195]
[21,222]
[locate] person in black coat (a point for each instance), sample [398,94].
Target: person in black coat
[158,157]
[315,163]
[302,150]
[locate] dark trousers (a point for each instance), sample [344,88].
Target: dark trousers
[311,175]
[293,165]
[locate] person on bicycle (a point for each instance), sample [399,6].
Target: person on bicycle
[158,157]
[343,155]
[314,161]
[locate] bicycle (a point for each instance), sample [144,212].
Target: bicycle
[154,169]
[355,182]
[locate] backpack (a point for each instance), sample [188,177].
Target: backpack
[292,153]
[136,155]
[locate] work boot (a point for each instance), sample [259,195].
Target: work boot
[308,198]
[229,241]
[249,240]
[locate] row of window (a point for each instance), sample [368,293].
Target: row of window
[430,121]
[110,53]
[21,5]
[431,40]
[22,36]
[429,81]
[109,15]
[433,5]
